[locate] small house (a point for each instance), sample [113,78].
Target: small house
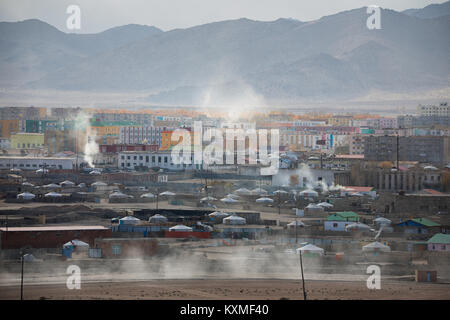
[340,220]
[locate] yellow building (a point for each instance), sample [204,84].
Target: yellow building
[105,131]
[9,126]
[340,120]
[27,140]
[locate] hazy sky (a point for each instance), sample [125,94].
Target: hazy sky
[98,15]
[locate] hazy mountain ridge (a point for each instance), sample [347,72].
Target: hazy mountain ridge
[31,49]
[335,56]
[431,11]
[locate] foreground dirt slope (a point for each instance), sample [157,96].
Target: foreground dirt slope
[231,289]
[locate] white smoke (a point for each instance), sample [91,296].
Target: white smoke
[91,148]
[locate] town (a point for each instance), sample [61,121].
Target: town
[99,188]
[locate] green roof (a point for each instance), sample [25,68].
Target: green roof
[426,222]
[440,238]
[344,216]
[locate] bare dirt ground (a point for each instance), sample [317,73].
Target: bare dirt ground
[231,290]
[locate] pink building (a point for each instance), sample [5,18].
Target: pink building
[439,242]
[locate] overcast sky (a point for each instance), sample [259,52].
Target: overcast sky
[98,15]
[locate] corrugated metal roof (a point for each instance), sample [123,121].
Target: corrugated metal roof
[54,228]
[440,238]
[426,222]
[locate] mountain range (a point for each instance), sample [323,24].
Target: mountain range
[336,56]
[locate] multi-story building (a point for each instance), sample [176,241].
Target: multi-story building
[22,113]
[27,140]
[39,126]
[424,149]
[408,180]
[356,144]
[5,143]
[441,110]
[65,113]
[405,121]
[340,120]
[7,127]
[141,135]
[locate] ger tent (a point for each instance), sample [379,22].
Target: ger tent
[27,184]
[67,183]
[310,248]
[358,227]
[308,194]
[76,243]
[259,191]
[381,221]
[314,208]
[217,214]
[293,223]
[148,195]
[167,193]
[234,220]
[129,220]
[209,198]
[180,228]
[26,196]
[243,191]
[51,186]
[326,205]
[53,195]
[157,218]
[376,246]
[118,195]
[228,200]
[264,200]
[98,184]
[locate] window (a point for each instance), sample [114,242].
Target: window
[335,225]
[116,249]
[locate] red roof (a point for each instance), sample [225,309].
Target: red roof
[358,189]
[349,156]
[431,191]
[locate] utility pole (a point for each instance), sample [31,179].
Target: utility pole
[21,278]
[398,168]
[303,278]
[157,198]
[279,203]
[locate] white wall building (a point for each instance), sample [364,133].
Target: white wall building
[34,163]
[132,159]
